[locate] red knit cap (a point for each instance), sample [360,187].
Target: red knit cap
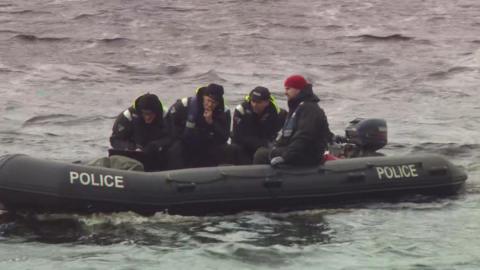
[295,81]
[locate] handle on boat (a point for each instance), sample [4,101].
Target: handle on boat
[186,187]
[272,183]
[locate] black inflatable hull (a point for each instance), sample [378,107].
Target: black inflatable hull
[33,184]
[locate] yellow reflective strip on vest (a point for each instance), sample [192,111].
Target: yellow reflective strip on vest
[198,89]
[274,103]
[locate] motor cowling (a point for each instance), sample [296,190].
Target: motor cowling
[368,134]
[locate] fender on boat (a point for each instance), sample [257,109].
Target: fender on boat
[32,184]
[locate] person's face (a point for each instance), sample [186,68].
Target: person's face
[291,93]
[209,104]
[148,116]
[259,106]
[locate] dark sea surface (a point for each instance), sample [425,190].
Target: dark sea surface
[68,67]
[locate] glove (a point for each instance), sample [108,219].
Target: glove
[277,161]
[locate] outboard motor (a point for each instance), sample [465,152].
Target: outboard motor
[363,137]
[368,134]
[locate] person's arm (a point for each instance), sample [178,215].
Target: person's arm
[122,132]
[221,127]
[175,119]
[163,142]
[306,132]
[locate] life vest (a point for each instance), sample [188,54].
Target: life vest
[130,114]
[192,113]
[193,109]
[290,123]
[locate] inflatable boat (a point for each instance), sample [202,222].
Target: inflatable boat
[32,184]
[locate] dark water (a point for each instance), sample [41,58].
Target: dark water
[67,68]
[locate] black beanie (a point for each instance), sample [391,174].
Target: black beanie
[214,91]
[149,102]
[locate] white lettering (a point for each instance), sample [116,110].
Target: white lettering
[108,181]
[380,172]
[119,182]
[413,170]
[96,184]
[85,179]
[73,176]
[397,172]
[388,172]
[96,180]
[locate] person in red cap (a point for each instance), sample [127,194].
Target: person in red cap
[305,134]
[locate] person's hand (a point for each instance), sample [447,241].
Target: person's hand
[277,161]
[208,115]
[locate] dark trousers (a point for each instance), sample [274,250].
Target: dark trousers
[181,156]
[240,155]
[263,155]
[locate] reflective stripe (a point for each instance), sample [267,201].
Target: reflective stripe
[274,103]
[127,115]
[240,109]
[185,102]
[291,123]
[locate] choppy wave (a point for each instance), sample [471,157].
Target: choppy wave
[62,120]
[155,70]
[119,41]
[209,76]
[447,149]
[25,12]
[34,38]
[6,31]
[87,15]
[386,38]
[451,72]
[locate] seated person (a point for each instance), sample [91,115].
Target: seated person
[256,123]
[200,126]
[305,134]
[142,128]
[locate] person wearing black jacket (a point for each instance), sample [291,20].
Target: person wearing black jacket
[256,123]
[141,127]
[200,126]
[305,134]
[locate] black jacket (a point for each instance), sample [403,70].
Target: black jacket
[201,135]
[130,132]
[310,133]
[252,131]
